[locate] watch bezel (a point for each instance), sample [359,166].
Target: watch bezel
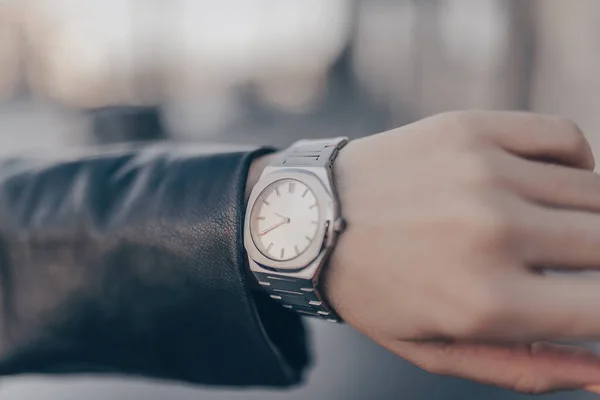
[327,214]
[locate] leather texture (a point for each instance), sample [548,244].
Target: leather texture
[130,260]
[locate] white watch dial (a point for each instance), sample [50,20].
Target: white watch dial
[285,219]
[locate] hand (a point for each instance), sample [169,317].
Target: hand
[449,221]
[284,220]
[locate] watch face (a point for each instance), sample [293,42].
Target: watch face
[285,220]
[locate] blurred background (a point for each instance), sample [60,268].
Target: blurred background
[85,72]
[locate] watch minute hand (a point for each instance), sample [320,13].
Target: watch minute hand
[263,233]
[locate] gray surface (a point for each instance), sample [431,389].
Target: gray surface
[35,127]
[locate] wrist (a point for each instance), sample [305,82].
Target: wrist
[331,275]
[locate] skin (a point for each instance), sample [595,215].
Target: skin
[450,221]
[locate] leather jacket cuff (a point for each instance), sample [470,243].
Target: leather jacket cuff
[131,261]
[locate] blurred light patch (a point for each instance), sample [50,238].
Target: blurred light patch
[474,33]
[89,53]
[418,58]
[283,48]
[386,32]
[10,49]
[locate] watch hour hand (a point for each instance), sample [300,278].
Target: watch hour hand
[286,219]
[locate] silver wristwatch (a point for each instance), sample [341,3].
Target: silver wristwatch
[292,223]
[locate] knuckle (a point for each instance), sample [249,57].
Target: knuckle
[567,124]
[574,138]
[528,380]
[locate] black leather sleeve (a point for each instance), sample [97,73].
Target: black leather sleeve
[131,261]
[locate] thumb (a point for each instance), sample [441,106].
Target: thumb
[593,389]
[527,368]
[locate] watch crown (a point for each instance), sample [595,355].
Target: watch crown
[339,225]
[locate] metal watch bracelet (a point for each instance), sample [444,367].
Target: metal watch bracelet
[299,295]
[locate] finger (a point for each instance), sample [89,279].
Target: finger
[558,307]
[561,238]
[552,184]
[529,368]
[535,136]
